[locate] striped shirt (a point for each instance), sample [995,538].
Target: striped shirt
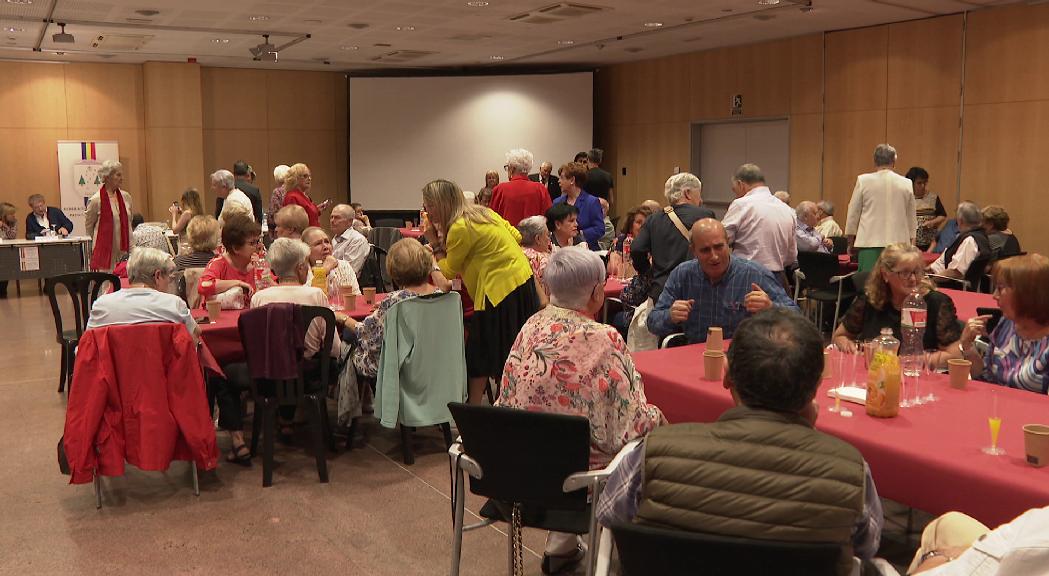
[1015,362]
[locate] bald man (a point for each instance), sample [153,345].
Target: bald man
[548,179]
[715,289]
[347,243]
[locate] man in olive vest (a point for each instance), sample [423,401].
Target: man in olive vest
[783,480]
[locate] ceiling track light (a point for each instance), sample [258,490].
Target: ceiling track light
[62,37]
[264,52]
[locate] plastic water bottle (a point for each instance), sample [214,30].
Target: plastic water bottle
[912,331]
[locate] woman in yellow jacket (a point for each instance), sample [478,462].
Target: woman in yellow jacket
[477,244]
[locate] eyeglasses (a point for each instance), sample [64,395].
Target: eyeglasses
[905,274]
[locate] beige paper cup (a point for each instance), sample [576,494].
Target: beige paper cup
[214,310]
[369,295]
[959,368]
[349,300]
[713,363]
[1036,444]
[828,367]
[715,339]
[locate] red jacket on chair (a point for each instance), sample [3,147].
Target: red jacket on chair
[138,394]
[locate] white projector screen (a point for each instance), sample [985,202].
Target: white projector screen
[405,132]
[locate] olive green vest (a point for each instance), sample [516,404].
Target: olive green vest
[754,474]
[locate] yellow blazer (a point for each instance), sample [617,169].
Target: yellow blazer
[488,257]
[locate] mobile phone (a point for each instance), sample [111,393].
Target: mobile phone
[995,315]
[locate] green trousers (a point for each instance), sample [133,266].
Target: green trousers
[867,257]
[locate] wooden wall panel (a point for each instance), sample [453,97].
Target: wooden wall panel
[176,162]
[805,154]
[104,96]
[660,148]
[32,154]
[663,90]
[224,147]
[928,137]
[1007,54]
[234,98]
[172,94]
[764,78]
[806,88]
[856,67]
[314,148]
[925,63]
[300,100]
[848,150]
[34,96]
[624,141]
[713,74]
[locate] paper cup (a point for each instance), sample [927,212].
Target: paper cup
[715,339]
[409,224]
[369,295]
[828,367]
[1036,444]
[214,310]
[959,368]
[349,297]
[713,363]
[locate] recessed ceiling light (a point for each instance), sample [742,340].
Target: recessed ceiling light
[312,21]
[348,48]
[653,24]
[565,42]
[498,57]
[405,28]
[259,18]
[477,3]
[220,40]
[19,1]
[13,29]
[147,12]
[768,2]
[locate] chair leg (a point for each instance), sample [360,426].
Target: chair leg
[256,425]
[406,446]
[329,435]
[62,370]
[317,426]
[196,478]
[98,492]
[446,428]
[70,365]
[457,525]
[270,430]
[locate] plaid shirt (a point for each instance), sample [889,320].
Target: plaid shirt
[719,304]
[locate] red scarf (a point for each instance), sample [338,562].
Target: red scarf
[102,255]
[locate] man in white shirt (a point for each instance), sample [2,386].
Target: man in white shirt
[760,227]
[233,200]
[956,545]
[881,211]
[826,224]
[971,246]
[348,244]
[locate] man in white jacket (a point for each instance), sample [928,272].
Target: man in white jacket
[881,211]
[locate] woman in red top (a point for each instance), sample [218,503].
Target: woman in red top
[298,182]
[234,268]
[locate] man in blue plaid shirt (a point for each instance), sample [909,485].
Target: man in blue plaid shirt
[715,289]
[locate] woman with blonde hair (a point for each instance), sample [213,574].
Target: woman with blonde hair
[184,210]
[898,271]
[476,243]
[108,218]
[203,235]
[298,182]
[8,231]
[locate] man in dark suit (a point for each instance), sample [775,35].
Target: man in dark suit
[241,173]
[544,177]
[43,218]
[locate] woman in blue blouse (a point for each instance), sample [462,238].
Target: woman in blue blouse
[1019,353]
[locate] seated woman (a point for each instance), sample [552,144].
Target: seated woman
[8,231]
[561,221]
[410,265]
[146,299]
[566,363]
[144,236]
[535,240]
[1019,353]
[234,268]
[898,271]
[631,227]
[203,235]
[340,272]
[996,224]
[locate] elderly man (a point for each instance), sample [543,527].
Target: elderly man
[825,215]
[718,288]
[544,177]
[44,217]
[609,237]
[761,470]
[518,197]
[228,198]
[808,237]
[243,181]
[760,227]
[968,256]
[881,211]
[783,196]
[290,221]
[147,299]
[348,244]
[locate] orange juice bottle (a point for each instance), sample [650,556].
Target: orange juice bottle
[883,376]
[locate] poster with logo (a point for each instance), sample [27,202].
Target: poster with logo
[78,179]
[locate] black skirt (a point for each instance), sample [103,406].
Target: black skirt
[494,329]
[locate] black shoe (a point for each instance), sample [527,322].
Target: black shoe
[559,564]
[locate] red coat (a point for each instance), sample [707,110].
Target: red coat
[138,394]
[312,211]
[520,198]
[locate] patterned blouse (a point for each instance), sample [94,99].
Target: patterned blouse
[370,334]
[538,261]
[8,231]
[566,363]
[1015,362]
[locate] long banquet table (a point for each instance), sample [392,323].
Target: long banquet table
[927,457]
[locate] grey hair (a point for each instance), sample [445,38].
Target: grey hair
[675,186]
[595,155]
[145,262]
[36,198]
[884,155]
[749,174]
[223,178]
[531,229]
[109,167]
[344,210]
[520,161]
[782,196]
[970,214]
[280,172]
[827,206]
[285,254]
[804,207]
[571,275]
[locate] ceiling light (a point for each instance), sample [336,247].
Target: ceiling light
[565,42]
[653,24]
[348,48]
[259,18]
[19,1]
[498,57]
[312,21]
[220,40]
[13,29]
[62,37]
[767,2]
[477,3]
[147,12]
[405,28]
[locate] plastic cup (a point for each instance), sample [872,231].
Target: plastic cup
[214,310]
[369,295]
[958,368]
[713,364]
[715,339]
[1036,444]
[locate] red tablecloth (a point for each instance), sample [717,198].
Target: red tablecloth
[928,457]
[968,302]
[411,232]
[222,336]
[613,287]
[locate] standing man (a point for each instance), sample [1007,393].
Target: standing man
[881,211]
[242,177]
[544,177]
[348,244]
[44,217]
[519,198]
[599,182]
[760,226]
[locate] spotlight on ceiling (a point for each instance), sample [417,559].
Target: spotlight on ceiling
[62,37]
[264,52]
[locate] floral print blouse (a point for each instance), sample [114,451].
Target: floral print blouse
[370,334]
[565,363]
[537,260]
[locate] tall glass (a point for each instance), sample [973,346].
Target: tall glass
[994,423]
[930,368]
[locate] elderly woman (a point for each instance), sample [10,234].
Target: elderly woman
[996,224]
[298,182]
[228,199]
[564,362]
[898,271]
[562,222]
[278,193]
[340,272]
[591,219]
[927,207]
[519,197]
[630,228]
[290,221]
[108,218]
[535,240]
[234,268]
[1019,353]
[185,210]
[144,236]
[8,231]
[203,233]
[478,244]
[483,196]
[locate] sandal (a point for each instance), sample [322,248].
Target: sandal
[240,455]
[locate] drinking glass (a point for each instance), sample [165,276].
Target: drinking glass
[994,423]
[930,369]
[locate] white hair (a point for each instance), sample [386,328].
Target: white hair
[109,167]
[571,275]
[676,185]
[223,178]
[783,196]
[884,155]
[144,263]
[285,255]
[470,197]
[827,206]
[531,229]
[970,214]
[520,161]
[804,207]
[280,172]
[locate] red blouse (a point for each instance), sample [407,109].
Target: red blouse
[220,269]
[297,197]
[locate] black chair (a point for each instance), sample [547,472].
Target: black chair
[374,272]
[385,236]
[388,223]
[83,289]
[533,467]
[308,389]
[645,550]
[841,244]
[817,276]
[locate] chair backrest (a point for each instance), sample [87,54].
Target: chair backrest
[289,391]
[525,456]
[818,268]
[374,271]
[192,279]
[841,244]
[388,223]
[84,289]
[385,236]
[647,550]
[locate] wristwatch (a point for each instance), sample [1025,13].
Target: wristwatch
[933,554]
